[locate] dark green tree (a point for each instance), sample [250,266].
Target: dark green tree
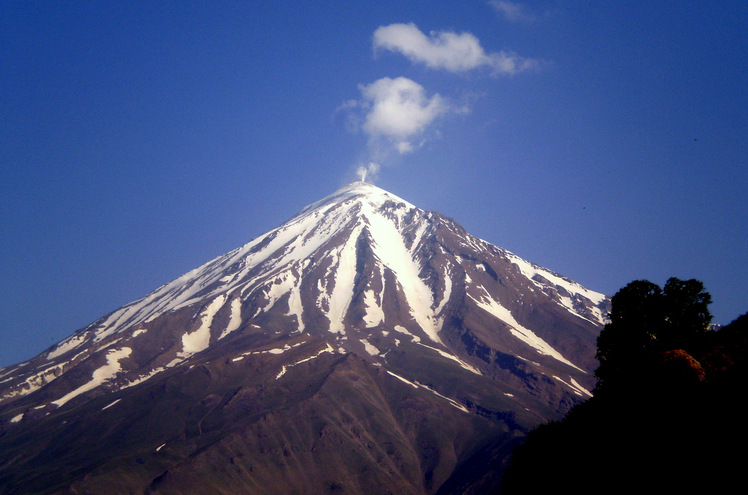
[668,416]
[668,413]
[687,316]
[630,338]
[646,322]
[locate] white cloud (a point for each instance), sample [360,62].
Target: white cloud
[512,11]
[399,111]
[455,52]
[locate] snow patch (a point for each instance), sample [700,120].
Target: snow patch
[150,374]
[66,345]
[420,385]
[453,358]
[344,278]
[372,350]
[403,330]
[575,387]
[524,334]
[275,350]
[235,320]
[388,245]
[530,271]
[284,368]
[36,381]
[374,312]
[110,404]
[199,340]
[286,283]
[100,376]
[447,292]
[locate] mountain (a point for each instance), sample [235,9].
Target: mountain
[364,346]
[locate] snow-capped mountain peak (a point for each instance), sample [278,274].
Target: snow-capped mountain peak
[362,268]
[364,334]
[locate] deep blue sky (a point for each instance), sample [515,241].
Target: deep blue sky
[139,140]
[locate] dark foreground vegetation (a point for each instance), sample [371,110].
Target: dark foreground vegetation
[669,411]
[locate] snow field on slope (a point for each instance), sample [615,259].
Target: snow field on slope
[182,291]
[235,318]
[371,349]
[285,368]
[487,303]
[284,253]
[342,291]
[575,386]
[529,270]
[420,385]
[99,376]
[66,345]
[417,340]
[374,312]
[35,381]
[296,240]
[199,340]
[390,248]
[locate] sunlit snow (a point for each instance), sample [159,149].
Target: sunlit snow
[284,368]
[372,350]
[390,248]
[101,375]
[374,312]
[110,404]
[235,320]
[66,345]
[531,270]
[200,339]
[36,381]
[575,387]
[453,358]
[342,291]
[487,303]
[403,330]
[271,268]
[420,385]
[289,246]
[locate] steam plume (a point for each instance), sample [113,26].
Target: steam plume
[371,170]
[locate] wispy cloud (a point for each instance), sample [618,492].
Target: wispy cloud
[396,114]
[512,11]
[454,52]
[396,111]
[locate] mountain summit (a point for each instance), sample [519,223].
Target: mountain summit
[365,345]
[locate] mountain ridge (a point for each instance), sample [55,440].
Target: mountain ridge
[409,295]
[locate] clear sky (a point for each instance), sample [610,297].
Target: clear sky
[604,140]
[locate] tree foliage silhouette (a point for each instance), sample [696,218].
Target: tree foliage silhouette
[687,316]
[668,412]
[645,323]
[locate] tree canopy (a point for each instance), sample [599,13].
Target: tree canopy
[646,322]
[668,412]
